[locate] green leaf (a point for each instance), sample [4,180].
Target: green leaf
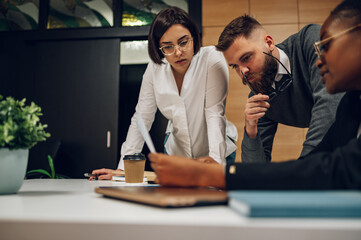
[20,125]
[39,171]
[51,164]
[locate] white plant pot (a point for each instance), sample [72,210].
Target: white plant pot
[13,165]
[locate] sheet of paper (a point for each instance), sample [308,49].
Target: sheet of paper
[143,130]
[122,179]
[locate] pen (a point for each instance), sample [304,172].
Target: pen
[143,130]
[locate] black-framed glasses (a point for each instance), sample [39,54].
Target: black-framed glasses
[320,45]
[282,86]
[170,49]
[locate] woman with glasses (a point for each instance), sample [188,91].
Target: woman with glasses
[336,162]
[188,84]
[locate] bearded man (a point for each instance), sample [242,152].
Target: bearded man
[285,85]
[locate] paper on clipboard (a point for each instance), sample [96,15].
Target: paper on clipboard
[143,130]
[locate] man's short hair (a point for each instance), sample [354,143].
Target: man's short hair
[162,22]
[241,26]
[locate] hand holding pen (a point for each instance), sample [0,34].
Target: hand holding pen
[103,174]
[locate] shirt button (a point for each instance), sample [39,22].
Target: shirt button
[232,169]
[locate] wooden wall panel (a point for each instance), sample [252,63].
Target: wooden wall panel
[280,32]
[220,13]
[288,143]
[315,11]
[275,11]
[210,35]
[237,97]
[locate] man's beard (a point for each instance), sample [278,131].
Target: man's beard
[264,83]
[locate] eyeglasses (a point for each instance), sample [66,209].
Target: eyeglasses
[320,46]
[282,86]
[248,84]
[170,49]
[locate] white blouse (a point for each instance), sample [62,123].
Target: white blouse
[197,122]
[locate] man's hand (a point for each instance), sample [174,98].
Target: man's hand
[256,107]
[186,172]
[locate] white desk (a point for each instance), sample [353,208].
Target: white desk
[69,209]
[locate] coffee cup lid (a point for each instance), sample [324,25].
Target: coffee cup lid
[137,156]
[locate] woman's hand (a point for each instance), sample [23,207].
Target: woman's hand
[105,174]
[206,160]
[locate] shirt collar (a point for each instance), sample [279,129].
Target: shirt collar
[286,62]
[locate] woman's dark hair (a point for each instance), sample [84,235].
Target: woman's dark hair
[348,9]
[241,26]
[162,22]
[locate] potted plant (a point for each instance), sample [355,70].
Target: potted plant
[20,129]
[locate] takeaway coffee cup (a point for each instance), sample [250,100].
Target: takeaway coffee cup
[134,168]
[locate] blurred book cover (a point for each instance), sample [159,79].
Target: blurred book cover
[296,204]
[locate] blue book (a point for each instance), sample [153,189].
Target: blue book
[318,204]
